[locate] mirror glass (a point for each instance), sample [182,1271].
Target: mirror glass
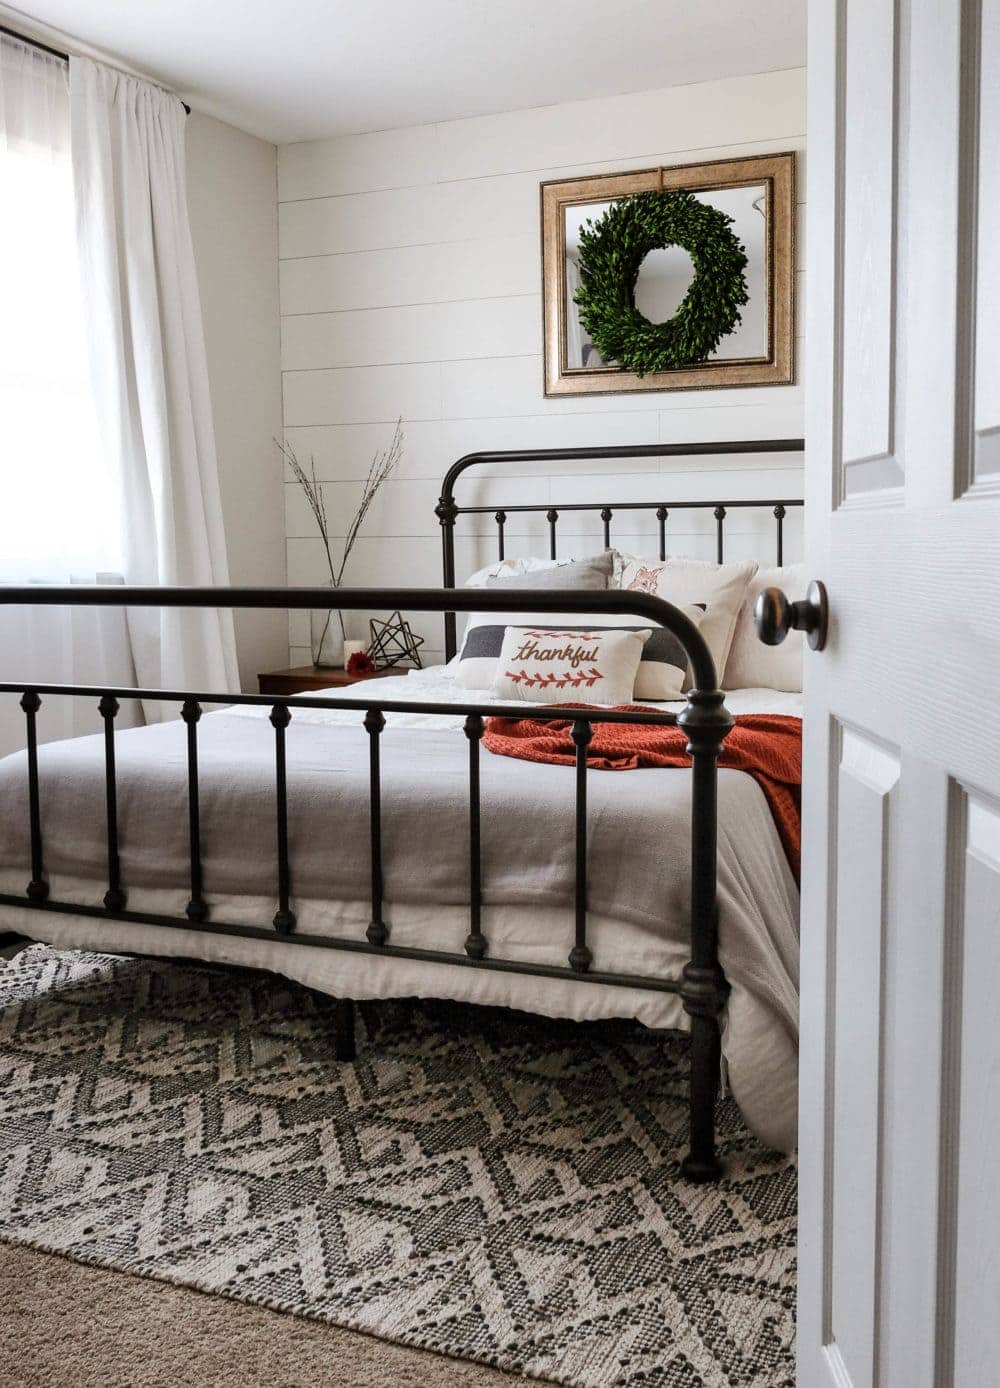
[666,274]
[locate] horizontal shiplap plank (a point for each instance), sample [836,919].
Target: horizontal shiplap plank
[344,452]
[470,210]
[762,107]
[363,394]
[764,414]
[488,389]
[414,333]
[430,446]
[357,163]
[512,386]
[488,269]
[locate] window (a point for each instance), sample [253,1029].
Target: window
[59,510]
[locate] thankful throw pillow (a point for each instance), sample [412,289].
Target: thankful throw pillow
[662,666]
[539,665]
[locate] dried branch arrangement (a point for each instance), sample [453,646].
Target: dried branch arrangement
[383,465]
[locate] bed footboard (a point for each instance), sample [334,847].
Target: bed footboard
[705,721]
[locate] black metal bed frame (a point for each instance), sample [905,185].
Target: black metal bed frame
[702,986]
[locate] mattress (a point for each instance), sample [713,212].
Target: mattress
[638,861]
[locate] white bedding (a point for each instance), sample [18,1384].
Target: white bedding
[439,685]
[758,925]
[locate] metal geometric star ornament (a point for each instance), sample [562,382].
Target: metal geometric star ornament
[393,641]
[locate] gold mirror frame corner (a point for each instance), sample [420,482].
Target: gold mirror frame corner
[777,173]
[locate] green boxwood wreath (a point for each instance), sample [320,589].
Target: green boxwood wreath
[611,252]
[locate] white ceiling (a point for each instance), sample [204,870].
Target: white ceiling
[304,69]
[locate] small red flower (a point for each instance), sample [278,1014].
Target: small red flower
[360,664]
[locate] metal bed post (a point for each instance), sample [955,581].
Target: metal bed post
[704,989]
[447,513]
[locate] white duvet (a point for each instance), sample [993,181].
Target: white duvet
[758,903]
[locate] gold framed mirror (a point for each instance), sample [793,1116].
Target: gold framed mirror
[758,194]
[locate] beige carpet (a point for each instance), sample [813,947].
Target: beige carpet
[62,1323]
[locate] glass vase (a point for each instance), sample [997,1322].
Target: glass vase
[327,632]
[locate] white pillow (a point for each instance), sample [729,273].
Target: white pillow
[722,588]
[751,664]
[662,666]
[554,666]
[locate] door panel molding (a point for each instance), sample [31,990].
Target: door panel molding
[868,95]
[968,1333]
[868,774]
[951,1039]
[978,364]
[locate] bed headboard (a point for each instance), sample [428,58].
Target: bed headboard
[447,509]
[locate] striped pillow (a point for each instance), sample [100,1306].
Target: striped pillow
[662,665]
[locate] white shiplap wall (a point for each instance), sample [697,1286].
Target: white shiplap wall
[410,266]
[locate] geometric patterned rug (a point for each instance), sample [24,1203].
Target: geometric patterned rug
[482,1183]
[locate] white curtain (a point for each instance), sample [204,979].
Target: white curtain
[148,367]
[59,519]
[59,515]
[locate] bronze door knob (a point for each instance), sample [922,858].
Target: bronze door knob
[774,616]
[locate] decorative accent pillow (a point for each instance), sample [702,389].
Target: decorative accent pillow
[721,587]
[751,664]
[662,664]
[530,564]
[592,575]
[550,666]
[583,575]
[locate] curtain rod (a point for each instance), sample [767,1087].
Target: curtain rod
[53,52]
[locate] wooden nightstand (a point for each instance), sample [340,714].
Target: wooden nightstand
[307,677]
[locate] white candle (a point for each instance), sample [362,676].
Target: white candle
[353,648]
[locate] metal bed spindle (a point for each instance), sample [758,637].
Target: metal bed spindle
[38,888]
[661,524]
[552,516]
[720,520]
[501,520]
[580,955]
[196,907]
[475,944]
[284,918]
[377,932]
[779,516]
[114,897]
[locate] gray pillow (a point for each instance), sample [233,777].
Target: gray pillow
[581,574]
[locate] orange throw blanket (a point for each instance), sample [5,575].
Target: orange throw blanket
[767,746]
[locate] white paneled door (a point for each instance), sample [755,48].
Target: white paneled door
[900,1063]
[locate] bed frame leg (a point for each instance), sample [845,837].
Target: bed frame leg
[343,1029]
[8,940]
[702,1163]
